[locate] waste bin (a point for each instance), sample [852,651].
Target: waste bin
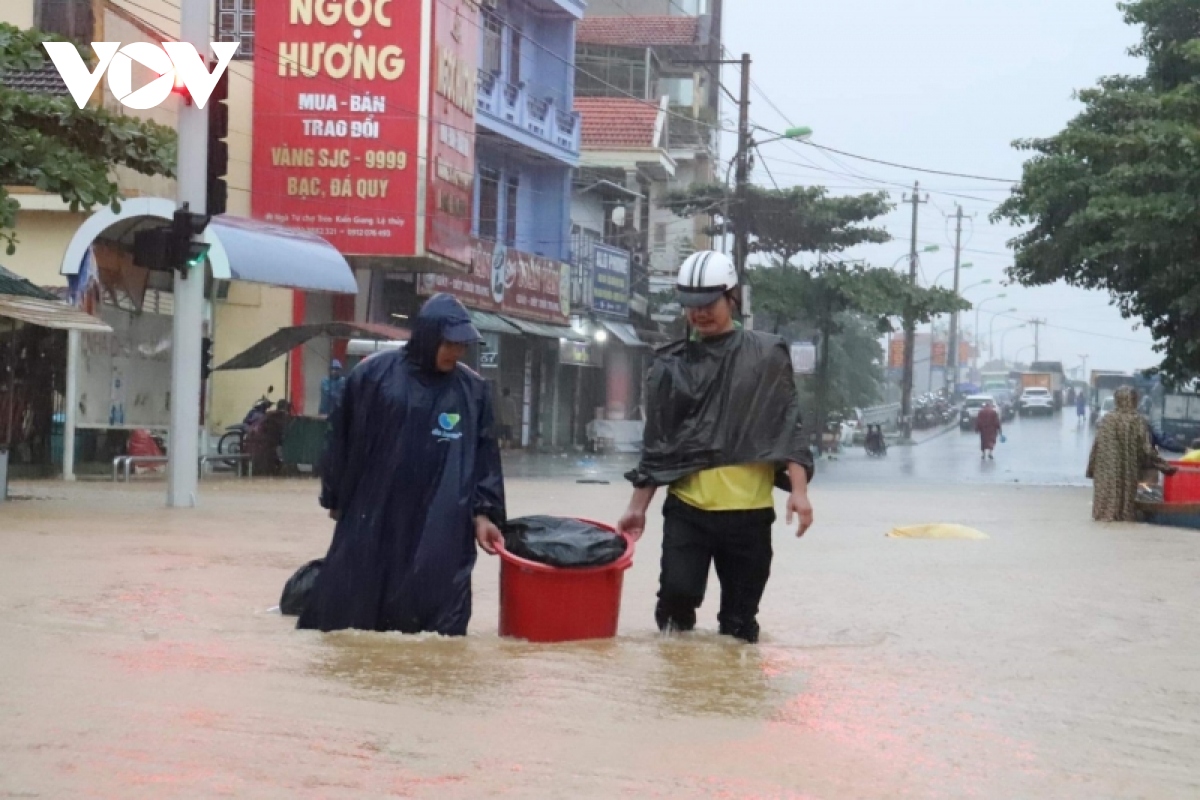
[540,603]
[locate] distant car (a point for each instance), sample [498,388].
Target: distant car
[1106,408]
[970,410]
[1036,400]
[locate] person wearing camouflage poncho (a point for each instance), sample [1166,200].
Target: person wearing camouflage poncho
[1121,453]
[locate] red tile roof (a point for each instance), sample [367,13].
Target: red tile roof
[638,31]
[617,123]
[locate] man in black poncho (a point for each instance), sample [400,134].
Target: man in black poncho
[722,430]
[412,474]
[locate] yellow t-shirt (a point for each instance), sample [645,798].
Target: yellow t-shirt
[744,487]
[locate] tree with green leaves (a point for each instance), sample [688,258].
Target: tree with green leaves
[782,224]
[1112,202]
[49,143]
[827,295]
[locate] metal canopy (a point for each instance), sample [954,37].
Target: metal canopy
[543,330]
[492,323]
[259,252]
[240,249]
[625,332]
[285,340]
[50,314]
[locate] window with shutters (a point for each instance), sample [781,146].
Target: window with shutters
[513,189]
[71,19]
[489,203]
[660,237]
[235,23]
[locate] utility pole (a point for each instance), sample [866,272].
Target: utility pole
[183,449]
[1083,375]
[910,320]
[952,356]
[741,240]
[1037,339]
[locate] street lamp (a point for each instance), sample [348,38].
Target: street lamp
[1004,335]
[1017,357]
[992,330]
[978,306]
[932,248]
[947,272]
[799,134]
[985,282]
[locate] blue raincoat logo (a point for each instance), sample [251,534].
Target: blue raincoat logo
[447,427]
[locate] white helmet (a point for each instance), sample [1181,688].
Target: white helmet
[705,277]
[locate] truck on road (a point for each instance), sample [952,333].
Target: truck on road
[1058,379]
[1104,384]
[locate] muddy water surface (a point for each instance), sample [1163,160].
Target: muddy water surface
[139,657]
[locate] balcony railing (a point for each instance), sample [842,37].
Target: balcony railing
[539,117]
[689,131]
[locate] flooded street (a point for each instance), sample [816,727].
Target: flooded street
[1057,659]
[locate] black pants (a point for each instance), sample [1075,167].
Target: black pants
[737,542]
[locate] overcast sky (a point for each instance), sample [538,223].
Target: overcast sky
[944,84]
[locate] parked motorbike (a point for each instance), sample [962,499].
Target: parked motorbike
[233,441]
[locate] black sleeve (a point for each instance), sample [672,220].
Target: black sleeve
[488,498]
[337,446]
[798,450]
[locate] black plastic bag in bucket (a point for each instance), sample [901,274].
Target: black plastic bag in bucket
[298,588]
[560,542]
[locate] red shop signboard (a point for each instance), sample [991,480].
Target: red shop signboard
[510,282]
[343,124]
[451,189]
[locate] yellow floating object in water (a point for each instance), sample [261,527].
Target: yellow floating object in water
[937,532]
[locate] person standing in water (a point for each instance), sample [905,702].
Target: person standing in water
[1120,455]
[413,477]
[989,428]
[722,429]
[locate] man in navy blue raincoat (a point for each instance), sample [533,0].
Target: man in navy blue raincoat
[413,476]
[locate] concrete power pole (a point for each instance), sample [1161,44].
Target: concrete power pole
[1037,338]
[952,356]
[183,448]
[741,240]
[910,321]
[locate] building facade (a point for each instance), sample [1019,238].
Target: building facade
[444,164]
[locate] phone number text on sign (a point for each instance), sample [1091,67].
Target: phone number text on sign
[336,107]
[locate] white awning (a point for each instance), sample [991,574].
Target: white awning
[543,330]
[240,249]
[50,314]
[625,332]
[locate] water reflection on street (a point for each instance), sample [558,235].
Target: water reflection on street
[1055,659]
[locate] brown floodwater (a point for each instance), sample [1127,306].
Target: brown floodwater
[140,657]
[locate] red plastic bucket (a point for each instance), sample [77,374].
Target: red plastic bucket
[540,603]
[1183,486]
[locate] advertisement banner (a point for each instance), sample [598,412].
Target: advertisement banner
[940,351]
[510,282]
[579,354]
[610,280]
[804,358]
[896,352]
[452,129]
[338,119]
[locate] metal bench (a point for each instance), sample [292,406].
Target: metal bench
[124,464]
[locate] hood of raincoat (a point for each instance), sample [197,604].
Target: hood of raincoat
[1125,400]
[442,319]
[719,402]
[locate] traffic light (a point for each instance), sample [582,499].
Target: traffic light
[165,249]
[218,148]
[206,358]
